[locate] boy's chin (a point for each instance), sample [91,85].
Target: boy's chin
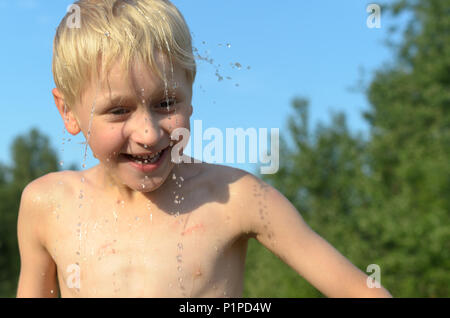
[147,185]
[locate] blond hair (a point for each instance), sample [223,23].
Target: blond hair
[122,30]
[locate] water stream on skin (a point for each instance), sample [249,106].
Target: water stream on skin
[84,223]
[177,197]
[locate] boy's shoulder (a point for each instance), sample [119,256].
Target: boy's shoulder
[226,181]
[41,195]
[51,185]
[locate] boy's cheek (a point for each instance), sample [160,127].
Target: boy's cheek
[179,121]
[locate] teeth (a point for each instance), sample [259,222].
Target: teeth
[147,159]
[147,156]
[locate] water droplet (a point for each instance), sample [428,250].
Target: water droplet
[61,163]
[51,291]
[82,179]
[180,246]
[179,258]
[180,279]
[228,45]
[179,268]
[143,186]
[174,176]
[83,165]
[107,33]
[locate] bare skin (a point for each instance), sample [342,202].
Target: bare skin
[131,250]
[142,249]
[97,233]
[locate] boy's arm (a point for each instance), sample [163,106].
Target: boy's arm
[37,268]
[276,224]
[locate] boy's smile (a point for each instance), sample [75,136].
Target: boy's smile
[128,121]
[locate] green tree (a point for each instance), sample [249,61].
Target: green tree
[322,174]
[410,152]
[385,200]
[32,158]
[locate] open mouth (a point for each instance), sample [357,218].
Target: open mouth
[146,160]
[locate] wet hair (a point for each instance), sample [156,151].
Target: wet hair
[117,30]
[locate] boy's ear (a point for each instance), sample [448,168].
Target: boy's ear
[69,118]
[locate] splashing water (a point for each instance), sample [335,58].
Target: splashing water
[206,58]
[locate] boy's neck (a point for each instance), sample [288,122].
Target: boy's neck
[121,191]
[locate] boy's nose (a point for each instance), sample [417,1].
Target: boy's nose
[144,129]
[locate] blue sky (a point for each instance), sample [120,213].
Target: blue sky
[313,49]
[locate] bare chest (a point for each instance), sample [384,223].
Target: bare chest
[106,249]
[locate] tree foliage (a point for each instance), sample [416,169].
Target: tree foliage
[386,200]
[32,157]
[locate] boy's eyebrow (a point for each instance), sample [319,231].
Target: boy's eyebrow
[119,99]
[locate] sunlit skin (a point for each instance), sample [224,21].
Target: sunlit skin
[184,234]
[129,115]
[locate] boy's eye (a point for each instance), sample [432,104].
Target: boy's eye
[167,104]
[118,111]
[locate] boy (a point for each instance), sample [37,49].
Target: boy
[139,224]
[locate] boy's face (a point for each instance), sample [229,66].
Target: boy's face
[131,116]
